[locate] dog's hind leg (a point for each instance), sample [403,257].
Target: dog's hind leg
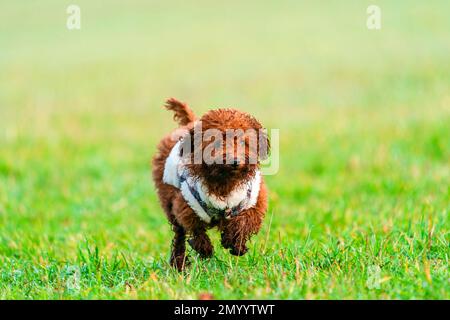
[178,257]
[201,243]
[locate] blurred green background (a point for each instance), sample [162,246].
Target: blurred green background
[359,208]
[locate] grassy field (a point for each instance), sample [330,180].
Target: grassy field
[359,208]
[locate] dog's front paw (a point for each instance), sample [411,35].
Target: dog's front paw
[226,244]
[238,251]
[236,245]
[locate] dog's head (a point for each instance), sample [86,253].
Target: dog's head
[225,149]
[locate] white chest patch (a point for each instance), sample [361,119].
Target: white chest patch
[196,193]
[173,162]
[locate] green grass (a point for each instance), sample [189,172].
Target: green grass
[364,123]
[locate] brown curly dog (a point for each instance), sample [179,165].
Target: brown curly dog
[207,175]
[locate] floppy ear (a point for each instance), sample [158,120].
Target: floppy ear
[187,143]
[263,140]
[191,144]
[263,144]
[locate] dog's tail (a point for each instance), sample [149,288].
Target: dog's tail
[183,114]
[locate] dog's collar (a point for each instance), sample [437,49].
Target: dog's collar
[206,206]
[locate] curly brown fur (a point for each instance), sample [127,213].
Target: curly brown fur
[237,231]
[220,180]
[182,114]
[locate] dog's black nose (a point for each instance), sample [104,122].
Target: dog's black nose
[235,163]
